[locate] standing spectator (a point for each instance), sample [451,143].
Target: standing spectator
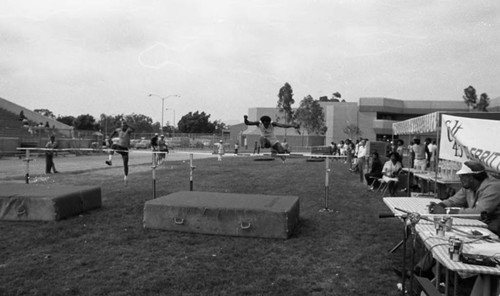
[400,147]
[432,147]
[427,142]
[341,148]
[421,153]
[412,154]
[356,147]
[349,150]
[236,147]
[359,167]
[375,172]
[49,155]
[220,151]
[333,148]
[163,147]
[154,147]
[154,142]
[392,147]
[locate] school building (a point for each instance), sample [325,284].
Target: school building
[373,116]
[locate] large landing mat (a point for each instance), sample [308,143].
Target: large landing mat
[249,215]
[46,202]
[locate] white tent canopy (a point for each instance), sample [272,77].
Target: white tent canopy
[466,135]
[419,125]
[431,122]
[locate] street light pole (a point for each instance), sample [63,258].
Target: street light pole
[174,113]
[174,117]
[162,106]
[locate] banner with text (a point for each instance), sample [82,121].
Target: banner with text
[465,139]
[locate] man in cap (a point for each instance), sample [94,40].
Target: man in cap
[268,139]
[480,194]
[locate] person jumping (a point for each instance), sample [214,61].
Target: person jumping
[267,137]
[121,146]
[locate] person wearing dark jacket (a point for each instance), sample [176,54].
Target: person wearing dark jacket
[375,172]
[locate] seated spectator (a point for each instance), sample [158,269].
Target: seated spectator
[375,172]
[390,172]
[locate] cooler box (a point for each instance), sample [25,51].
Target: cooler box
[251,215]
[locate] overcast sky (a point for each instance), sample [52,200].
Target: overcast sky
[223,57]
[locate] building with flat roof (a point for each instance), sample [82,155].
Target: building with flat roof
[376,115]
[373,115]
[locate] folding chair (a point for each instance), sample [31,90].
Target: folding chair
[384,184]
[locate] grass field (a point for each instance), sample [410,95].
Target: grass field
[108,252]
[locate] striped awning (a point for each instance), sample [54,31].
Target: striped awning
[419,125]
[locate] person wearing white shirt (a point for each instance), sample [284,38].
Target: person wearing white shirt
[361,160]
[390,171]
[432,147]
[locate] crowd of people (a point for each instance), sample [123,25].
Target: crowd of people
[371,167]
[479,192]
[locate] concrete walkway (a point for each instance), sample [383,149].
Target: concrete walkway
[15,168]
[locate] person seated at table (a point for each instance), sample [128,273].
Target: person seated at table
[480,194]
[375,172]
[390,172]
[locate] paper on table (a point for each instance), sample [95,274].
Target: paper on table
[485,249]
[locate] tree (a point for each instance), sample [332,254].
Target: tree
[68,120]
[220,126]
[85,122]
[166,129]
[45,112]
[106,123]
[470,97]
[196,123]
[286,101]
[484,102]
[140,122]
[310,115]
[336,97]
[352,130]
